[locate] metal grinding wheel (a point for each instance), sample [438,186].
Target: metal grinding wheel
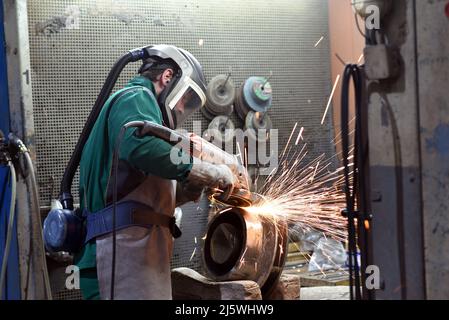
[244,246]
[241,107]
[206,112]
[221,130]
[257,93]
[210,114]
[220,95]
[256,121]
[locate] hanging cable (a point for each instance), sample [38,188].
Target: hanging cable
[358,25]
[352,190]
[115,161]
[15,148]
[36,211]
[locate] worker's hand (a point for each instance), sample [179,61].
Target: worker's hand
[186,192]
[225,181]
[218,178]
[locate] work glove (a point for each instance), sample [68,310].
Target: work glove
[186,192]
[212,177]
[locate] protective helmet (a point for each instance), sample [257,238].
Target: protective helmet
[185,93]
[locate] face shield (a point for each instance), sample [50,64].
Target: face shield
[186,91]
[187,98]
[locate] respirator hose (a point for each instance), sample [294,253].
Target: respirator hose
[66,198]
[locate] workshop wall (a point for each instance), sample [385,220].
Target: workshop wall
[73,45]
[346,46]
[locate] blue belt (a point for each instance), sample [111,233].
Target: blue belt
[128,213]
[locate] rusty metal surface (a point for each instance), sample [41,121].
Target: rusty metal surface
[432,26]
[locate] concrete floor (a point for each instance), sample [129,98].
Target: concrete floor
[325,293]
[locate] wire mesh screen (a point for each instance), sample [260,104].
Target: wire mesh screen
[73,45]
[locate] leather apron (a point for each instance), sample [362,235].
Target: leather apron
[143,255]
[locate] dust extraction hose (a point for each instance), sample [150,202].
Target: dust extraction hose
[65,195]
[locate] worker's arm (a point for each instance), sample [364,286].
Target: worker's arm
[149,154]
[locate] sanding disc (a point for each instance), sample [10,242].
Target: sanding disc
[241,107]
[257,94]
[256,121]
[207,113]
[220,93]
[221,129]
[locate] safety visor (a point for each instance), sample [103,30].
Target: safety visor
[187,100]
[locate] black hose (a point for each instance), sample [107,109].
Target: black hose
[65,195]
[351,191]
[115,161]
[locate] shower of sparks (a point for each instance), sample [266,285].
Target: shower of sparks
[230,208]
[299,136]
[340,59]
[306,194]
[242,259]
[360,59]
[330,98]
[193,253]
[289,138]
[318,42]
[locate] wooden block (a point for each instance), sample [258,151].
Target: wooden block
[298,257]
[187,284]
[287,288]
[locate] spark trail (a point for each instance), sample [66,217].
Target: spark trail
[306,194]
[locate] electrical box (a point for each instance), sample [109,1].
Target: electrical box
[381,62]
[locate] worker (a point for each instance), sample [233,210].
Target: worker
[169,87]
